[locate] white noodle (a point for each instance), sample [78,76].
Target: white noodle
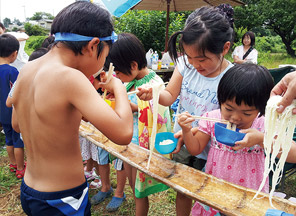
[155,94]
[278,136]
[166,142]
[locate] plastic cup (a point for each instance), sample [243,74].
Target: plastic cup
[168,148]
[111,103]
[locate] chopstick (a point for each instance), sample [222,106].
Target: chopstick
[208,119]
[108,78]
[136,91]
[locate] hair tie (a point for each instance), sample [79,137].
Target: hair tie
[227,11]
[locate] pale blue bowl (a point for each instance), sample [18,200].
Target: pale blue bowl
[226,136]
[165,149]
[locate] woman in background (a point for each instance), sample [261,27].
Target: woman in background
[246,53]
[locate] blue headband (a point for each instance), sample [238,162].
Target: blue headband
[76,37]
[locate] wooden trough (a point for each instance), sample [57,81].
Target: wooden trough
[226,197]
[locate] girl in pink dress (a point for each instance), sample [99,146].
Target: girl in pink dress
[242,93]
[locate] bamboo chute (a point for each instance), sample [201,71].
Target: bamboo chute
[224,196]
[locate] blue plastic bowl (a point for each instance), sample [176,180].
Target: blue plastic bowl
[165,149]
[226,136]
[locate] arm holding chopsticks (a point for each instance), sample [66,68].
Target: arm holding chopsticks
[195,143]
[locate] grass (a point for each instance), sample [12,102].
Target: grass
[271,60]
[162,203]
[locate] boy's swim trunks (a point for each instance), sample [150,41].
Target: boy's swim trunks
[68,202]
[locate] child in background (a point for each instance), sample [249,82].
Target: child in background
[242,93]
[58,93]
[89,151]
[128,57]
[35,55]
[204,42]
[89,154]
[9,46]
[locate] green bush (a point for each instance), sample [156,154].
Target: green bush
[33,43]
[34,30]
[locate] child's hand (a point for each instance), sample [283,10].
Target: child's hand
[185,121]
[110,84]
[179,136]
[110,96]
[145,93]
[251,138]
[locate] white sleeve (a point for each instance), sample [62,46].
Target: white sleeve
[235,52]
[181,64]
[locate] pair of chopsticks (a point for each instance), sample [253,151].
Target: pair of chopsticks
[208,119]
[110,72]
[229,125]
[136,91]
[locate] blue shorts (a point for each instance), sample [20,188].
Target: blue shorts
[12,138]
[103,159]
[68,202]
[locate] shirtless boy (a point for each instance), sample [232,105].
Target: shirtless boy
[51,96]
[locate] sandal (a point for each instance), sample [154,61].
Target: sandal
[101,196]
[89,175]
[115,203]
[95,184]
[20,173]
[12,167]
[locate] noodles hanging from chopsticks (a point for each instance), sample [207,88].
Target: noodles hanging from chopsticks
[279,129]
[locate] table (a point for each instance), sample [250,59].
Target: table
[165,74]
[285,65]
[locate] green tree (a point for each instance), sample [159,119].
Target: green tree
[41,15]
[17,21]
[150,26]
[6,22]
[34,29]
[14,29]
[277,15]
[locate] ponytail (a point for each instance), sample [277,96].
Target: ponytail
[172,46]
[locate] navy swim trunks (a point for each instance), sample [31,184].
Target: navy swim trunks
[68,202]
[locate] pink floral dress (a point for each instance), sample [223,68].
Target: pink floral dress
[244,167]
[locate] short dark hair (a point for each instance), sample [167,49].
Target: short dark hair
[38,53]
[8,45]
[124,51]
[248,83]
[83,18]
[207,29]
[252,37]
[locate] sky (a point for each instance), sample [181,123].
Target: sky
[21,9]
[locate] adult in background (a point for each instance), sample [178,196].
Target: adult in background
[246,53]
[22,56]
